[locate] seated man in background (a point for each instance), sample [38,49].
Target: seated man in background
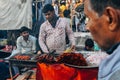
[26,43]
[89,45]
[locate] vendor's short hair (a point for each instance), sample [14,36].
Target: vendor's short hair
[24,28]
[99,6]
[89,42]
[47,7]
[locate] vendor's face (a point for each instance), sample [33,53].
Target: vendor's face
[98,26]
[49,15]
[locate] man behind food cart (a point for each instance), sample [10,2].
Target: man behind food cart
[25,43]
[53,32]
[103,23]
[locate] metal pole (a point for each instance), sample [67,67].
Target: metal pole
[10,70]
[36,10]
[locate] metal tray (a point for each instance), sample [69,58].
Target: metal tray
[24,63]
[89,66]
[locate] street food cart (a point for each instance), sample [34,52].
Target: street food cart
[66,70]
[56,71]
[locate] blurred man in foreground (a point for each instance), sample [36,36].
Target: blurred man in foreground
[103,23]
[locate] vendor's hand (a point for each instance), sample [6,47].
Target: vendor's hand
[39,52]
[72,48]
[50,57]
[46,58]
[43,56]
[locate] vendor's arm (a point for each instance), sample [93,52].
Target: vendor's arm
[42,37]
[70,36]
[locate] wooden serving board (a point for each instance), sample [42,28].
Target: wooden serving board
[29,75]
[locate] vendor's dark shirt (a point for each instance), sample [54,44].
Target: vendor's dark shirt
[110,51]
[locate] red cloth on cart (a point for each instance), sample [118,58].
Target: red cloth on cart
[63,72]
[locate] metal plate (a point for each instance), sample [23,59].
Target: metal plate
[89,66]
[22,63]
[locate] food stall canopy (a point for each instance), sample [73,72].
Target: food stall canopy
[15,13]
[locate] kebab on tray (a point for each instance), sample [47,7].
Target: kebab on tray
[67,57]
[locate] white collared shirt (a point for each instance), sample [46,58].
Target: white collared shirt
[23,46]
